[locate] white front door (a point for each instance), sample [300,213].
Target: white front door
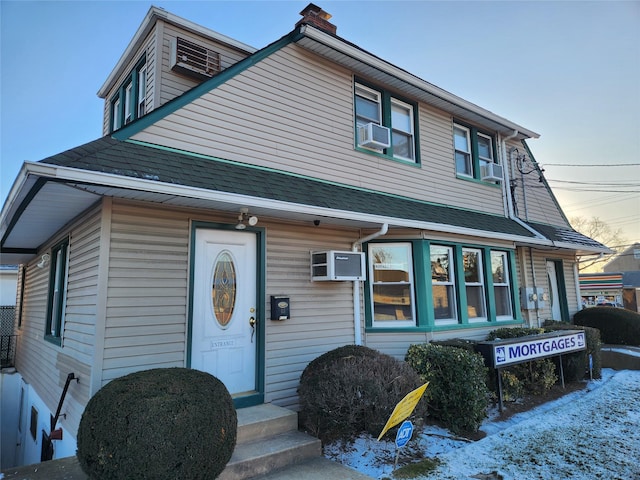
[223,331]
[554,295]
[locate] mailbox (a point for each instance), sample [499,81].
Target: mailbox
[279,308]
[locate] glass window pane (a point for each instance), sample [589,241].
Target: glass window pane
[390,263]
[441,264]
[472,267]
[401,118]
[461,141]
[475,302]
[402,145]
[368,110]
[443,302]
[503,301]
[463,163]
[485,149]
[223,289]
[392,302]
[498,267]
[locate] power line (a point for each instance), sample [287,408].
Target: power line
[591,165]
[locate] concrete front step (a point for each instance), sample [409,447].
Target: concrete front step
[254,458]
[264,420]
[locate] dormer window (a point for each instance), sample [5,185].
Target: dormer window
[128,103]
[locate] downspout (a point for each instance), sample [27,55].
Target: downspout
[506,182]
[356,284]
[512,215]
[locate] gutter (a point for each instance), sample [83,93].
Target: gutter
[357,324]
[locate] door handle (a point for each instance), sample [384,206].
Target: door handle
[252,323]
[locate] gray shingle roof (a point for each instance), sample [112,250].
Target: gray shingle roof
[129,159]
[565,235]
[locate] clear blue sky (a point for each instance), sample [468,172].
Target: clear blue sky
[567,70]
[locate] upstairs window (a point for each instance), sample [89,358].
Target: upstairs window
[398,117]
[59,266]
[128,103]
[474,150]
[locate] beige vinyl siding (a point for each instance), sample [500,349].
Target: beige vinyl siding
[294,111]
[175,84]
[321,312]
[147,290]
[533,201]
[43,365]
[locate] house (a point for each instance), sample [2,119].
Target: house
[248,210]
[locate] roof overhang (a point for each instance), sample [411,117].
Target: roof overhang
[363,63]
[47,197]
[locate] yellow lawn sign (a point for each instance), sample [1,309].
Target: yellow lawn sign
[404,408]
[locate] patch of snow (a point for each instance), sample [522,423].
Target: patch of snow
[590,433]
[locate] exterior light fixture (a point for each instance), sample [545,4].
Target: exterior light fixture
[44,261]
[245,217]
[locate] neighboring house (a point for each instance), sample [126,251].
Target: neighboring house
[628,262]
[184,236]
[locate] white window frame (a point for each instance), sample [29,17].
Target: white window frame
[373,96]
[142,90]
[115,114]
[128,101]
[410,284]
[486,160]
[503,285]
[450,283]
[468,153]
[57,295]
[479,284]
[410,133]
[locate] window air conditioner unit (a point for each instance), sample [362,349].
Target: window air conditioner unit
[192,59]
[334,265]
[491,172]
[373,135]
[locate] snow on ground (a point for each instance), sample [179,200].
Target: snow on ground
[588,434]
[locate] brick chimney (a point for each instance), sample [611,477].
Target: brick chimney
[314,15]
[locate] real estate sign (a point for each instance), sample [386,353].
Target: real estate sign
[525,349]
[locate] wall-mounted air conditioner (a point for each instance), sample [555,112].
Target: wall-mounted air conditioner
[192,59]
[373,135]
[491,172]
[337,265]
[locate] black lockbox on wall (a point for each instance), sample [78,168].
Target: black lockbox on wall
[279,308]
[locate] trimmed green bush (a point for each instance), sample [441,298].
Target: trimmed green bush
[576,365]
[458,394]
[161,424]
[353,389]
[617,326]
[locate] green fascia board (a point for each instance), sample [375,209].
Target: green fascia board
[196,92]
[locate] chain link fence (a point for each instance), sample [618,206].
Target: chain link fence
[7,338]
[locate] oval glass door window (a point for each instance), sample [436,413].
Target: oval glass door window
[223,290]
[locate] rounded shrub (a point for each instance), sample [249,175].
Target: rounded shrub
[458,393]
[617,326]
[161,424]
[353,389]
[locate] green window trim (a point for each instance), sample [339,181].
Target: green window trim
[425,320]
[387,101]
[476,158]
[57,292]
[126,99]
